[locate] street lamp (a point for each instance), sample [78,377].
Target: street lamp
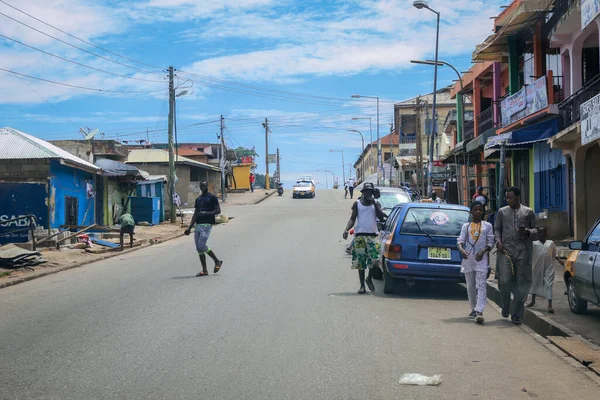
[461,105]
[370,134]
[420,4]
[379,160]
[362,161]
[332,176]
[343,164]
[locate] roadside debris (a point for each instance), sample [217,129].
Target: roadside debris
[420,380]
[14,257]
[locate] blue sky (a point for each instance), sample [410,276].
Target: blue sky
[294,62]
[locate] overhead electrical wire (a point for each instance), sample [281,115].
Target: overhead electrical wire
[78,63]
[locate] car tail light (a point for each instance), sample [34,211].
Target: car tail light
[394,252]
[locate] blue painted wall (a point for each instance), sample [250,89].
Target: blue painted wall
[550,177]
[66,181]
[17,199]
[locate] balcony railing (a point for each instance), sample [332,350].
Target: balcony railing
[485,120]
[469,130]
[408,141]
[569,109]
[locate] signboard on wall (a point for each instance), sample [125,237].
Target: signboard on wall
[529,100]
[590,120]
[589,10]
[19,199]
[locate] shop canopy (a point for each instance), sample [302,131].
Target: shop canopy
[522,139]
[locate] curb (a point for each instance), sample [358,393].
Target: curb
[542,325]
[81,264]
[264,198]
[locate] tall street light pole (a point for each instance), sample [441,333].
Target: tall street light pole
[332,176]
[343,163]
[460,105]
[379,159]
[420,4]
[371,136]
[362,159]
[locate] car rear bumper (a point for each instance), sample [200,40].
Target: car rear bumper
[298,194]
[424,271]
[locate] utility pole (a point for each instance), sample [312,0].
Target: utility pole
[171,152]
[278,170]
[267,183]
[392,150]
[419,143]
[222,162]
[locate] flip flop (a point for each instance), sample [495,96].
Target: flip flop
[218,266]
[202,273]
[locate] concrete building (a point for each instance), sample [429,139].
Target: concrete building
[44,180]
[189,173]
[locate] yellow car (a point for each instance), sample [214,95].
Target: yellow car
[303,189]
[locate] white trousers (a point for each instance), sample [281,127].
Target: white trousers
[476,289]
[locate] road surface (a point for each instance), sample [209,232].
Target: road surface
[282,320]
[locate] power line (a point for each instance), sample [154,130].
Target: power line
[78,63]
[75,37]
[74,46]
[79,87]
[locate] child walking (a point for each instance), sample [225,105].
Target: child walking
[474,243]
[544,252]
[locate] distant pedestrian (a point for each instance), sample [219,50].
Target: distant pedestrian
[346,190]
[544,253]
[365,250]
[435,198]
[480,197]
[474,243]
[206,209]
[252,181]
[127,226]
[514,229]
[351,187]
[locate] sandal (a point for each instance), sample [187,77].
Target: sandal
[370,284]
[218,266]
[202,273]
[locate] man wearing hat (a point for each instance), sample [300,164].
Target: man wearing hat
[365,250]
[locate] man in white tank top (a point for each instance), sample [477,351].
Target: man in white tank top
[365,249]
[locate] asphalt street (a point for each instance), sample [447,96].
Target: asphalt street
[281,320]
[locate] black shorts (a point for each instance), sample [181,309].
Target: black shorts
[128,229]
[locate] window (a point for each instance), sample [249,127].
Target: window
[71,210]
[594,236]
[389,200]
[434,221]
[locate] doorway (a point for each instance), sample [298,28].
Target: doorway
[521,175]
[592,189]
[71,210]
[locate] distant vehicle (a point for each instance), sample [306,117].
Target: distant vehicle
[391,197]
[418,242]
[303,189]
[582,277]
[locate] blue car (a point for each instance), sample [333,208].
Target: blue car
[418,242]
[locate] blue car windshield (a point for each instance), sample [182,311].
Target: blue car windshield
[434,221]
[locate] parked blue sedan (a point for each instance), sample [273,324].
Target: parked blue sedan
[418,242]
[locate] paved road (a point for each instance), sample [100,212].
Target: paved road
[282,320]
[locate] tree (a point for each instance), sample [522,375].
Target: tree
[260,180]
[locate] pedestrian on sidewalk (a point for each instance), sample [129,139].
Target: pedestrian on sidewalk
[474,243]
[480,197]
[365,250]
[350,185]
[127,226]
[544,253]
[206,208]
[252,180]
[515,230]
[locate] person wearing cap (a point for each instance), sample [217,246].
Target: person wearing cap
[365,249]
[480,197]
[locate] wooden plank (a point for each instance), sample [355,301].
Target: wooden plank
[577,349]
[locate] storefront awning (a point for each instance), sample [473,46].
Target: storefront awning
[477,144]
[523,138]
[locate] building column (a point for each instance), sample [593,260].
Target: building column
[566,67]
[538,51]
[576,78]
[513,65]
[459,120]
[497,82]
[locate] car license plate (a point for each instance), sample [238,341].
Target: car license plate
[438,253]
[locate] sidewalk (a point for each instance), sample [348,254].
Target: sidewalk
[587,325]
[248,198]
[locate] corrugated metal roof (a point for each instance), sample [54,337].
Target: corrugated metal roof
[147,156]
[17,145]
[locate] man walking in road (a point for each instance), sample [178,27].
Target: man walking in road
[515,229]
[206,209]
[252,180]
[350,185]
[544,253]
[365,250]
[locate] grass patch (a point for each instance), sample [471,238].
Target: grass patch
[5,273]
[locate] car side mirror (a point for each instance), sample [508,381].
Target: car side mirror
[576,245]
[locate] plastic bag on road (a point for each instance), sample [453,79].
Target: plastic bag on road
[420,380]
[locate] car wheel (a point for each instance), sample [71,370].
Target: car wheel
[293,196]
[577,305]
[388,282]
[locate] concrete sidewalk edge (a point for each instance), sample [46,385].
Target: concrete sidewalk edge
[83,263]
[267,195]
[541,325]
